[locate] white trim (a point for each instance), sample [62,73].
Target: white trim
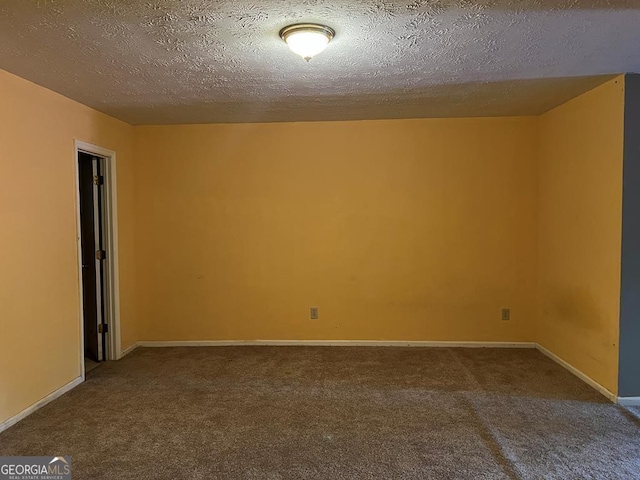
[113,265]
[128,350]
[333,343]
[629,401]
[582,376]
[78,239]
[111,236]
[40,403]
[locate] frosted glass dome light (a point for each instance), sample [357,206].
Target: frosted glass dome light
[307,39]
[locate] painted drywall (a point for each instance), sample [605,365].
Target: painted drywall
[629,375]
[580,214]
[39,286]
[396,230]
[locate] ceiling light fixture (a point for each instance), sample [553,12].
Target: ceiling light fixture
[307,39]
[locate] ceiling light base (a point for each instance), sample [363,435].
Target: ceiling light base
[307,39]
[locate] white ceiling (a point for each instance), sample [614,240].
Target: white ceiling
[201,61]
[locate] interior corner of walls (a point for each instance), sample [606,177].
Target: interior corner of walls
[52,213]
[580,145]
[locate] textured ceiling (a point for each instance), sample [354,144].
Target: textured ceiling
[197,61]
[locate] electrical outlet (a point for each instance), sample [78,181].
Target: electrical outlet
[506,314]
[313,313]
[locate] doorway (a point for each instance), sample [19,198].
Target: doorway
[92,242]
[97,255]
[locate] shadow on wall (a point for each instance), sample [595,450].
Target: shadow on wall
[578,308]
[477,99]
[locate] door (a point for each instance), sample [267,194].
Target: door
[91,240]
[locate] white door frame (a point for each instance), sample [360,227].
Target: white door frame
[111,274]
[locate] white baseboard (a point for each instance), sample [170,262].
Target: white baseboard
[128,350]
[582,376]
[40,403]
[629,401]
[332,343]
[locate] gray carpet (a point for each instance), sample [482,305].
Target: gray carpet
[334,413]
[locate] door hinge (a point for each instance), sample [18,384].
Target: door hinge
[101,254]
[103,328]
[98,179]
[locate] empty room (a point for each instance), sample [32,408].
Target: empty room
[362,239]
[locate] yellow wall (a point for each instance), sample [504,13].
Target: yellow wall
[39,287]
[580,211]
[396,230]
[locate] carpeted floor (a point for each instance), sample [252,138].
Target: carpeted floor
[90,364]
[334,413]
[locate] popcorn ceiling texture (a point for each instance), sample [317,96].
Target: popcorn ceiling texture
[197,61]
